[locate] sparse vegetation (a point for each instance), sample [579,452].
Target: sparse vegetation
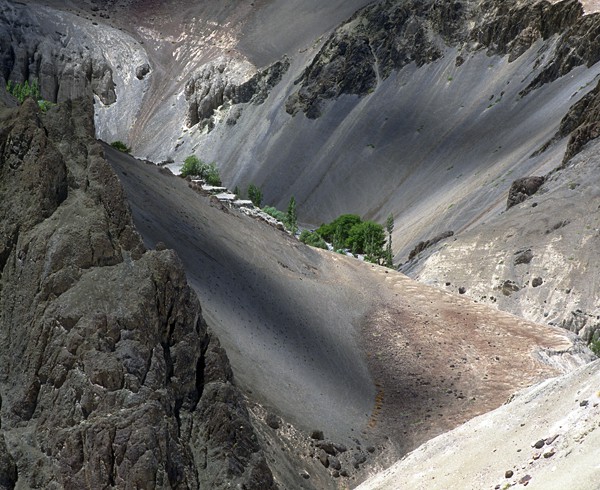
[119,145]
[255,194]
[595,343]
[389,256]
[275,213]
[193,166]
[23,90]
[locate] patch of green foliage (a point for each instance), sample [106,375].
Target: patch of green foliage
[275,213]
[349,231]
[313,239]
[338,231]
[595,343]
[193,166]
[289,219]
[23,90]
[255,195]
[291,216]
[119,145]
[367,238]
[389,256]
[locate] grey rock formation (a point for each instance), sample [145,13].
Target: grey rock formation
[389,35]
[419,247]
[522,188]
[226,82]
[109,375]
[65,66]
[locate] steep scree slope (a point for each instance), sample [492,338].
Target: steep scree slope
[109,376]
[328,342]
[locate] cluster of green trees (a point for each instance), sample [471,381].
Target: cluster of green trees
[23,90]
[350,232]
[193,166]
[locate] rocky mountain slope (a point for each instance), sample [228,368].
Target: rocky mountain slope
[429,110]
[109,375]
[361,352]
[544,437]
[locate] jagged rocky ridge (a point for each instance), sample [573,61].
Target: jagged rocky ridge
[390,35]
[221,83]
[110,377]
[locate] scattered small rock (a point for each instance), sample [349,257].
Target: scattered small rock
[317,435]
[550,453]
[273,421]
[525,480]
[327,446]
[539,444]
[550,440]
[305,475]
[371,449]
[538,281]
[508,474]
[324,459]
[462,290]
[334,463]
[344,473]
[583,403]
[335,474]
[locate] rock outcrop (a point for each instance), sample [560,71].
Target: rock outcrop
[65,66]
[227,83]
[390,35]
[109,377]
[522,188]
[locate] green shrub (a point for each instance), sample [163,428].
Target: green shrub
[313,239]
[275,213]
[119,145]
[191,166]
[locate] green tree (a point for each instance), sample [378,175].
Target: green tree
[367,238]
[237,192]
[338,230]
[292,217]
[255,195]
[210,173]
[389,256]
[191,166]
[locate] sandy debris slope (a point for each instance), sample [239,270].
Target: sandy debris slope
[562,415]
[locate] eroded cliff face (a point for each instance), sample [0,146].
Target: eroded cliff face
[109,375]
[389,35]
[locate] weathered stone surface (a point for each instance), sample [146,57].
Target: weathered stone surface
[65,66]
[419,247]
[109,375]
[226,83]
[389,35]
[521,189]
